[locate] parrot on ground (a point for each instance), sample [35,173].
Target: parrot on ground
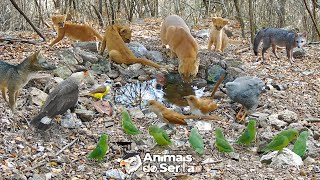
[281,140]
[249,134]
[159,135]
[100,151]
[196,141]
[127,124]
[222,143]
[300,146]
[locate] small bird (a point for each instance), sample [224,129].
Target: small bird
[249,134]
[127,125]
[101,149]
[63,97]
[159,135]
[300,146]
[196,141]
[200,106]
[246,91]
[281,140]
[172,117]
[100,92]
[222,143]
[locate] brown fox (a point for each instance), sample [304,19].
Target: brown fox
[14,77]
[117,49]
[279,37]
[74,31]
[218,37]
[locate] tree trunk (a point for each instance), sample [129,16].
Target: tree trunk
[251,22]
[101,23]
[312,18]
[281,13]
[239,17]
[113,18]
[27,19]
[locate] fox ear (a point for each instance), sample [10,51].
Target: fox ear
[225,22]
[214,19]
[304,34]
[36,55]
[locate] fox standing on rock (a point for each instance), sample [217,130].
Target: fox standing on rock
[279,37]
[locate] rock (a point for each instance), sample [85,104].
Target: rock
[91,45]
[68,56]
[87,56]
[113,74]
[144,77]
[136,113]
[102,67]
[203,126]
[204,33]
[284,157]
[309,161]
[135,67]
[233,73]
[37,96]
[312,149]
[62,71]
[38,177]
[115,174]
[85,115]
[262,119]
[297,126]
[276,123]
[138,49]
[288,116]
[69,121]
[154,56]
[298,53]
[199,82]
[214,73]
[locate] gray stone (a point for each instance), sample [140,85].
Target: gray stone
[297,126]
[204,33]
[288,116]
[233,73]
[68,56]
[144,77]
[102,67]
[138,49]
[85,115]
[38,177]
[113,74]
[214,73]
[87,56]
[91,45]
[154,56]
[115,174]
[313,150]
[37,96]
[62,71]
[309,161]
[276,123]
[136,113]
[70,121]
[280,158]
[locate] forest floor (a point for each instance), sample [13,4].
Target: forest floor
[61,153]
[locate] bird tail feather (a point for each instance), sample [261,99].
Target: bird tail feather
[41,121]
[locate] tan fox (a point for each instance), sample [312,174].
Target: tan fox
[14,77]
[218,37]
[81,32]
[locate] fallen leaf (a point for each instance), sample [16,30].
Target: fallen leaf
[103,107]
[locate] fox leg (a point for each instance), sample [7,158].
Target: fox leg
[12,100]
[4,94]
[57,39]
[290,55]
[116,57]
[224,45]
[274,48]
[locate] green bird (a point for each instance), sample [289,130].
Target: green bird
[300,146]
[249,134]
[196,141]
[159,135]
[222,143]
[281,140]
[127,124]
[100,151]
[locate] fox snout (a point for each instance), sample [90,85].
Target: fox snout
[44,65]
[61,24]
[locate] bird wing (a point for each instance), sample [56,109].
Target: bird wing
[277,143]
[223,145]
[173,117]
[62,98]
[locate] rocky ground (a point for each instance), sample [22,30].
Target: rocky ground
[61,152]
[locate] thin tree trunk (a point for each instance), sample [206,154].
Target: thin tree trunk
[27,19]
[113,18]
[101,23]
[251,22]
[239,17]
[313,20]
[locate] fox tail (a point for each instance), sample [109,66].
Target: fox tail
[145,62]
[97,34]
[257,40]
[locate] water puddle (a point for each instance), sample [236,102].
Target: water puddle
[168,89]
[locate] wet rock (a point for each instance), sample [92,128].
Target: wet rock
[36,96]
[115,174]
[276,123]
[138,49]
[154,56]
[288,116]
[70,121]
[204,33]
[62,71]
[214,73]
[85,115]
[284,157]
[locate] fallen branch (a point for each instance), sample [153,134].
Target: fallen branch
[13,40]
[41,163]
[242,50]
[65,147]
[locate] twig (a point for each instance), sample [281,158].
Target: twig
[65,147]
[41,163]
[212,162]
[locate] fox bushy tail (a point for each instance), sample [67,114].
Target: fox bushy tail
[257,40]
[146,62]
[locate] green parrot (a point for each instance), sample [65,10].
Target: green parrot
[102,147]
[222,143]
[249,134]
[196,141]
[127,124]
[300,146]
[159,135]
[281,140]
